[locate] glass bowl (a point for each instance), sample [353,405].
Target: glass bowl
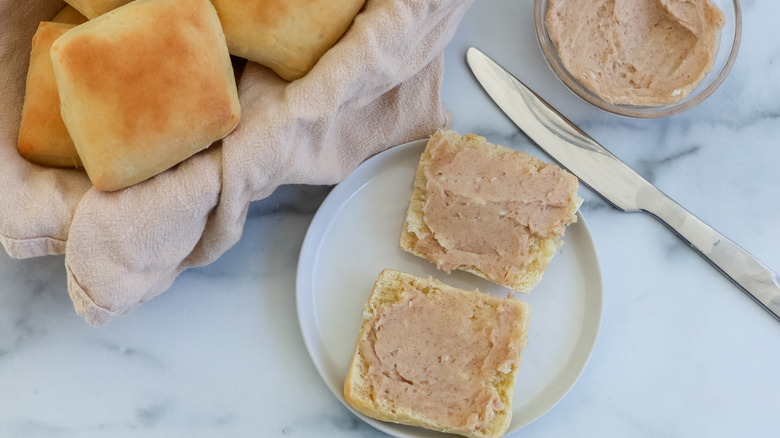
[728,46]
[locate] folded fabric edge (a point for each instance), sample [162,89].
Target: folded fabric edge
[83,303]
[32,247]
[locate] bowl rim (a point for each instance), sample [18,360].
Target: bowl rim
[635,111]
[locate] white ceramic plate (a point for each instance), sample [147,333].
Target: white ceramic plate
[355,234]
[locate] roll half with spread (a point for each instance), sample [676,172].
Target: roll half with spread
[489,210]
[438,357]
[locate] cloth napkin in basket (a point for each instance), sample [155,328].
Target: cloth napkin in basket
[378,87]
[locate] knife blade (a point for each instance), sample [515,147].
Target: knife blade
[617,183]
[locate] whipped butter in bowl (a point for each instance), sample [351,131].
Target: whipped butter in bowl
[640,58]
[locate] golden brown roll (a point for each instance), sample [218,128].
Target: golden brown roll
[69,15]
[93,8]
[288,36]
[144,87]
[43,137]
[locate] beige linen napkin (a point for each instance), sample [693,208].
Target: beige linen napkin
[378,87]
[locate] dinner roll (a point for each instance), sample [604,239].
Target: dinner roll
[288,36]
[488,209]
[93,8]
[438,357]
[145,86]
[69,15]
[43,137]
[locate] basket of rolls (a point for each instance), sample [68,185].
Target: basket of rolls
[135,134]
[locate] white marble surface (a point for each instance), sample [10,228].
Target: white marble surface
[681,351]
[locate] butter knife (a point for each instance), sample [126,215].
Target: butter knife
[617,183]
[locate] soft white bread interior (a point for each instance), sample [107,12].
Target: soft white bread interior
[438,357]
[144,87]
[492,211]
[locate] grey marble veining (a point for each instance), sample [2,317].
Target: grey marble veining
[681,351]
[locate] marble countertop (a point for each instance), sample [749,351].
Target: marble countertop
[681,351]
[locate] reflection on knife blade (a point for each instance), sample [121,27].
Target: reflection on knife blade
[600,170]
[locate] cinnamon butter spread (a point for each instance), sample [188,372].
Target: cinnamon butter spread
[640,52]
[441,354]
[488,210]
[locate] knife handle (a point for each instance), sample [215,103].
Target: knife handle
[757,280]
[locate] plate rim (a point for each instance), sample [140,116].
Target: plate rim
[309,252]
